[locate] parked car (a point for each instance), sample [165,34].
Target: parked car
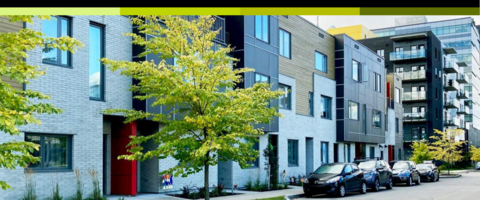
[405,172]
[391,163]
[478,165]
[335,178]
[377,173]
[428,172]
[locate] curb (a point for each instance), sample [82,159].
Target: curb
[456,176]
[289,197]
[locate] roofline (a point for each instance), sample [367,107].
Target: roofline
[344,34]
[314,25]
[423,23]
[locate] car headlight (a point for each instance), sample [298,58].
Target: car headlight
[334,180]
[305,180]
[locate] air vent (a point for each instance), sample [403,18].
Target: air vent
[321,35]
[356,47]
[378,59]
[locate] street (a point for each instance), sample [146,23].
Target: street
[465,187]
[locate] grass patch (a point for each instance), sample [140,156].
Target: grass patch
[273,198]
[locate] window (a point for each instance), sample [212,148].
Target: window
[256,147]
[436,72]
[397,125]
[399,154]
[436,93]
[352,110]
[348,169]
[260,78]
[346,152]
[326,111]
[372,152]
[56,27]
[381,52]
[324,152]
[355,168]
[96,68]
[399,69]
[355,69]
[320,62]
[310,103]
[293,152]
[435,53]
[377,116]
[397,95]
[436,113]
[261,27]
[364,118]
[378,82]
[55,151]
[286,99]
[285,42]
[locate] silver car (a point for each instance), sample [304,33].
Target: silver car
[478,166]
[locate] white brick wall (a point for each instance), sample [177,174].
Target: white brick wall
[81,117]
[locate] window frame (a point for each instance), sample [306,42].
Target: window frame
[263,75]
[311,104]
[349,112]
[323,152]
[102,66]
[281,35]
[317,53]
[289,97]
[329,113]
[295,151]
[261,28]
[397,95]
[374,113]
[358,70]
[256,163]
[59,52]
[42,168]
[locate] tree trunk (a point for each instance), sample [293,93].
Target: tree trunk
[206,175]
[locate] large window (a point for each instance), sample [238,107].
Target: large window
[372,152]
[355,70]
[55,151]
[285,43]
[324,152]
[346,152]
[377,116]
[56,27]
[293,152]
[326,111]
[256,147]
[397,125]
[96,68]
[352,110]
[381,52]
[378,82]
[310,103]
[285,99]
[320,62]
[397,95]
[261,27]
[260,78]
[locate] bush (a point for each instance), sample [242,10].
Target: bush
[186,190]
[193,195]
[56,193]
[97,193]
[79,186]
[30,192]
[249,185]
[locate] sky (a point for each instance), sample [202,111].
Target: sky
[371,22]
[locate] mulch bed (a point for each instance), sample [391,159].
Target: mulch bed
[181,196]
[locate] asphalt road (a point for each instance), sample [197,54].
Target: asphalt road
[466,187]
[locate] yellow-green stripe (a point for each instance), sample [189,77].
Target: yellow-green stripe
[419,11]
[240,11]
[60,11]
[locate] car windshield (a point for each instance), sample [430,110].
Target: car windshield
[367,165]
[400,165]
[329,169]
[424,166]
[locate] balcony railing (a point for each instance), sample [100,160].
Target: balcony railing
[414,96]
[413,75]
[451,85]
[451,67]
[463,110]
[406,55]
[413,137]
[461,78]
[468,118]
[452,122]
[218,24]
[414,117]
[452,103]
[463,94]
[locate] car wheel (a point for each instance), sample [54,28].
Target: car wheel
[390,183]
[341,191]
[376,187]
[364,188]
[409,181]
[418,181]
[438,177]
[432,179]
[308,194]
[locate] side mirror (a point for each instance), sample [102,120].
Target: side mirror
[381,167]
[414,168]
[348,173]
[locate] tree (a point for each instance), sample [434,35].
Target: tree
[421,152]
[475,153]
[445,147]
[17,107]
[213,121]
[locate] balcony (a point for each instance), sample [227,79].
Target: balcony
[414,96]
[451,67]
[462,79]
[451,122]
[463,94]
[451,85]
[218,24]
[468,118]
[414,117]
[413,137]
[463,110]
[418,75]
[452,103]
[407,55]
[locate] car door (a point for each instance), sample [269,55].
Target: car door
[348,177]
[414,171]
[381,172]
[358,176]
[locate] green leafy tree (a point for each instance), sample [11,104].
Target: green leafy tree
[475,152]
[421,152]
[445,147]
[212,121]
[16,106]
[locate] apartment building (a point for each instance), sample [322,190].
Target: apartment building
[394,135]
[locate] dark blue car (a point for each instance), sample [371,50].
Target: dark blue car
[377,173]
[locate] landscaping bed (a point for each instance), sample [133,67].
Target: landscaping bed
[193,192]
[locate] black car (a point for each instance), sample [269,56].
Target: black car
[335,178]
[428,172]
[405,172]
[377,173]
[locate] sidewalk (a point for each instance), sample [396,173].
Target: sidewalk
[247,195]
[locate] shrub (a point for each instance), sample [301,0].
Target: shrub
[249,184]
[55,193]
[97,193]
[79,186]
[30,192]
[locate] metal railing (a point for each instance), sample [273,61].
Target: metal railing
[412,75]
[451,102]
[450,85]
[451,67]
[405,55]
[411,117]
[414,96]
[218,24]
